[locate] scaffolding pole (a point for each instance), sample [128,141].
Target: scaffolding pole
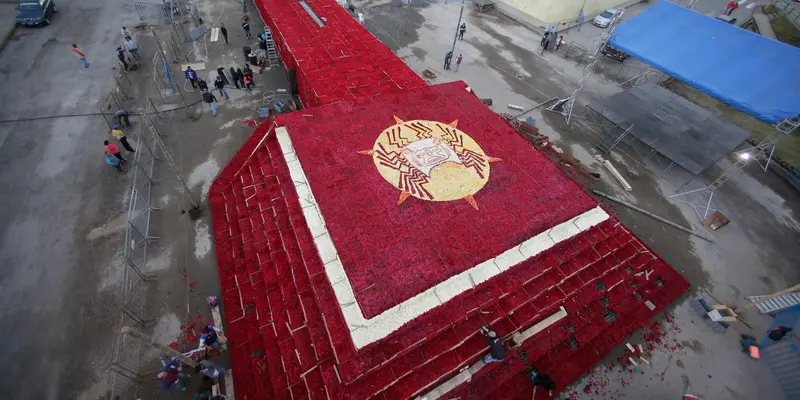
[565,106]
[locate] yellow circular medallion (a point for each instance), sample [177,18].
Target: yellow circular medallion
[431,161]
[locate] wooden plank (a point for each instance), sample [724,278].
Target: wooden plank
[520,337]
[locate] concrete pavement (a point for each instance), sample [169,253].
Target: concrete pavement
[63,210]
[57,190]
[8,21]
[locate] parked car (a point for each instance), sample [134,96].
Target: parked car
[35,12]
[605,18]
[614,54]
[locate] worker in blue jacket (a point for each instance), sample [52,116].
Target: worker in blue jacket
[191,76]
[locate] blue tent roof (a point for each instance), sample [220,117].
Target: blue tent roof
[755,74]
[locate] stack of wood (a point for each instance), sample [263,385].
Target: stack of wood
[543,142]
[528,130]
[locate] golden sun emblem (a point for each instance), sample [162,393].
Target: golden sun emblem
[431,161]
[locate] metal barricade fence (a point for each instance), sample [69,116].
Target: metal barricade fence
[574,51]
[118,98]
[126,361]
[125,379]
[153,11]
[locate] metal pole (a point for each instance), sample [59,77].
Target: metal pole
[651,215]
[195,201]
[119,87]
[150,341]
[455,38]
[119,105]
[157,87]
[172,23]
[183,18]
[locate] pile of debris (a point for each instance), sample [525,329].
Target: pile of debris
[570,164]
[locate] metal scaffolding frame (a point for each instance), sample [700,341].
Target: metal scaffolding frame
[700,199]
[565,106]
[619,139]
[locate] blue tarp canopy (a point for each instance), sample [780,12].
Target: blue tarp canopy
[755,74]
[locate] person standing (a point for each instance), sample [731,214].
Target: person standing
[447,58]
[244,6]
[246,27]
[117,133]
[132,49]
[191,76]
[544,37]
[202,85]
[211,100]
[114,162]
[240,77]
[458,61]
[126,33]
[221,74]
[235,77]
[224,31]
[80,54]
[559,42]
[497,352]
[461,30]
[121,57]
[220,85]
[262,48]
[546,43]
[112,149]
[249,73]
[733,5]
[122,116]
[248,83]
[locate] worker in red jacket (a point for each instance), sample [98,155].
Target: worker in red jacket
[731,6]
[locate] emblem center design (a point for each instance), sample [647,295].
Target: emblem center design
[431,161]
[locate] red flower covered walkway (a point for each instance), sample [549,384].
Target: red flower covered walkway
[363,243]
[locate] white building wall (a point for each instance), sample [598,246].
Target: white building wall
[554,11]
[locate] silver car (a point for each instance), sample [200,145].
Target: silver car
[605,17]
